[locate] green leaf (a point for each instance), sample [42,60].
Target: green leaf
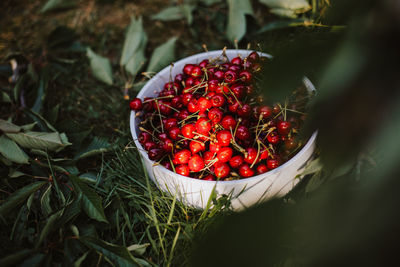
[287,8]
[53,114]
[49,227]
[45,201]
[133,39]
[39,140]
[11,151]
[79,261]
[118,255]
[210,2]
[91,202]
[97,146]
[169,13]
[41,92]
[33,261]
[101,67]
[139,249]
[13,259]
[162,56]
[28,127]
[15,174]
[281,24]
[53,5]
[18,197]
[138,59]
[71,211]
[8,127]
[5,97]
[236,27]
[43,124]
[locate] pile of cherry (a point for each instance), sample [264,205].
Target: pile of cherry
[211,123]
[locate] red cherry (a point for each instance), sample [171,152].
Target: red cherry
[222,89]
[196,71]
[212,85]
[273,138]
[155,154]
[164,107]
[276,109]
[209,177]
[244,111]
[264,154]
[149,145]
[196,146]
[176,102]
[208,156]
[203,104]
[238,89]
[188,129]
[162,136]
[218,100]
[242,133]
[225,154]
[204,63]
[182,169]
[233,107]
[192,106]
[170,123]
[136,104]
[235,68]
[203,126]
[187,69]
[236,61]
[214,147]
[230,76]
[215,115]
[167,145]
[272,164]
[251,155]
[224,137]
[253,56]
[179,78]
[196,163]
[144,137]
[225,66]
[182,156]
[174,86]
[228,122]
[291,143]
[167,165]
[283,127]
[266,111]
[221,170]
[262,168]
[183,114]
[236,161]
[219,75]
[174,133]
[245,171]
[245,76]
[189,83]
[186,97]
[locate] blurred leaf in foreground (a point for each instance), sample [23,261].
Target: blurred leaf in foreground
[101,67]
[236,26]
[162,56]
[287,8]
[53,5]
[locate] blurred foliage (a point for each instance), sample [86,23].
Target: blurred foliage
[73,190]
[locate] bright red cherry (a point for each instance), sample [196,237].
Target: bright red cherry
[251,155]
[273,138]
[224,137]
[208,157]
[188,130]
[261,168]
[264,154]
[225,154]
[186,97]
[215,115]
[136,104]
[196,163]
[272,164]
[214,147]
[187,69]
[236,161]
[192,106]
[203,126]
[245,171]
[196,71]
[213,85]
[221,170]
[228,122]
[236,61]
[283,127]
[196,146]
[182,169]
[203,104]
[182,156]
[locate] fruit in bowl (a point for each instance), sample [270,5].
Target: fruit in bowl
[205,121]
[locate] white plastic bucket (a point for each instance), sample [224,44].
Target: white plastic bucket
[244,192]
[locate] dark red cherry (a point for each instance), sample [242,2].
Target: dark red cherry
[218,100]
[244,111]
[230,76]
[283,127]
[149,145]
[144,137]
[215,115]
[179,78]
[253,57]
[266,111]
[174,133]
[228,122]
[219,75]
[212,85]
[136,104]
[204,63]
[273,138]
[236,61]
[242,133]
[245,76]
[156,154]
[196,71]
[272,164]
[187,69]
[209,177]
